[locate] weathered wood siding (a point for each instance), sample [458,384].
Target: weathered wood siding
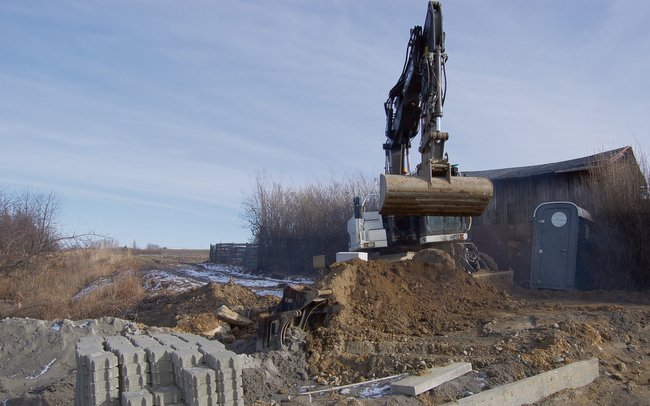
[515,200]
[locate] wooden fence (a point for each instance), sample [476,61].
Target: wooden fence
[235,254]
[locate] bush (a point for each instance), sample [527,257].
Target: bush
[27,227]
[293,224]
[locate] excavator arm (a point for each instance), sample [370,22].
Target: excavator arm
[414,106]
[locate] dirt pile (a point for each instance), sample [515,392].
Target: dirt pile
[388,302]
[194,311]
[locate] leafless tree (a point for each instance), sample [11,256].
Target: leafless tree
[27,227]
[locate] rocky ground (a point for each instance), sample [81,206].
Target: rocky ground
[394,318]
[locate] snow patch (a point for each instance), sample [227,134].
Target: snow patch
[44,370]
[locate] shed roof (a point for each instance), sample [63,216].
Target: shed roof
[573,165]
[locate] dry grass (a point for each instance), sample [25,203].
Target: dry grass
[47,289]
[622,221]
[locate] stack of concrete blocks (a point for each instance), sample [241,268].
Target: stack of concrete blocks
[97,374]
[164,369]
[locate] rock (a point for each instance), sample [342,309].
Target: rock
[232,317]
[218,331]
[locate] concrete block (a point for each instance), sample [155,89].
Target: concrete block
[162,379]
[102,397]
[102,386]
[347,256]
[91,341]
[194,339]
[113,341]
[96,362]
[134,369]
[186,358]
[222,361]
[162,367]
[229,374]
[132,383]
[130,355]
[142,340]
[158,353]
[200,375]
[212,349]
[536,388]
[166,395]
[101,375]
[202,401]
[137,398]
[173,341]
[414,385]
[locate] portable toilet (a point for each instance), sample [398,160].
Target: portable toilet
[561,234]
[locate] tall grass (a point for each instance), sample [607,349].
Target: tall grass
[621,242]
[48,290]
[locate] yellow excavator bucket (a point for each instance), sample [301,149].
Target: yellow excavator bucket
[401,195]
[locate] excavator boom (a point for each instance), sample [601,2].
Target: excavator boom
[415,105]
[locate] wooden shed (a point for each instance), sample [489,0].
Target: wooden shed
[504,231]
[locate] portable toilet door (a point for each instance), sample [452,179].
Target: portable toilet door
[556,228]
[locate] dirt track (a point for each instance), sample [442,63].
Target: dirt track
[395,318]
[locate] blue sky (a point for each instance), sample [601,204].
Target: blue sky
[150,119]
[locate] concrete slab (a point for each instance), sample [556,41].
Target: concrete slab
[347,256]
[536,388]
[414,385]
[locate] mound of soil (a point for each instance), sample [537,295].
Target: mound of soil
[194,311]
[411,315]
[385,302]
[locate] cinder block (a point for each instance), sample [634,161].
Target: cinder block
[162,379]
[143,340]
[134,369]
[166,395]
[130,355]
[221,361]
[157,352]
[101,375]
[102,386]
[161,367]
[132,383]
[96,362]
[186,358]
[172,341]
[113,341]
[102,397]
[200,375]
[212,348]
[202,401]
[94,341]
[137,398]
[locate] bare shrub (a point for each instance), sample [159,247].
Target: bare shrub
[621,214]
[27,227]
[292,224]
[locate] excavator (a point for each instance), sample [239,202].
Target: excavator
[431,205]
